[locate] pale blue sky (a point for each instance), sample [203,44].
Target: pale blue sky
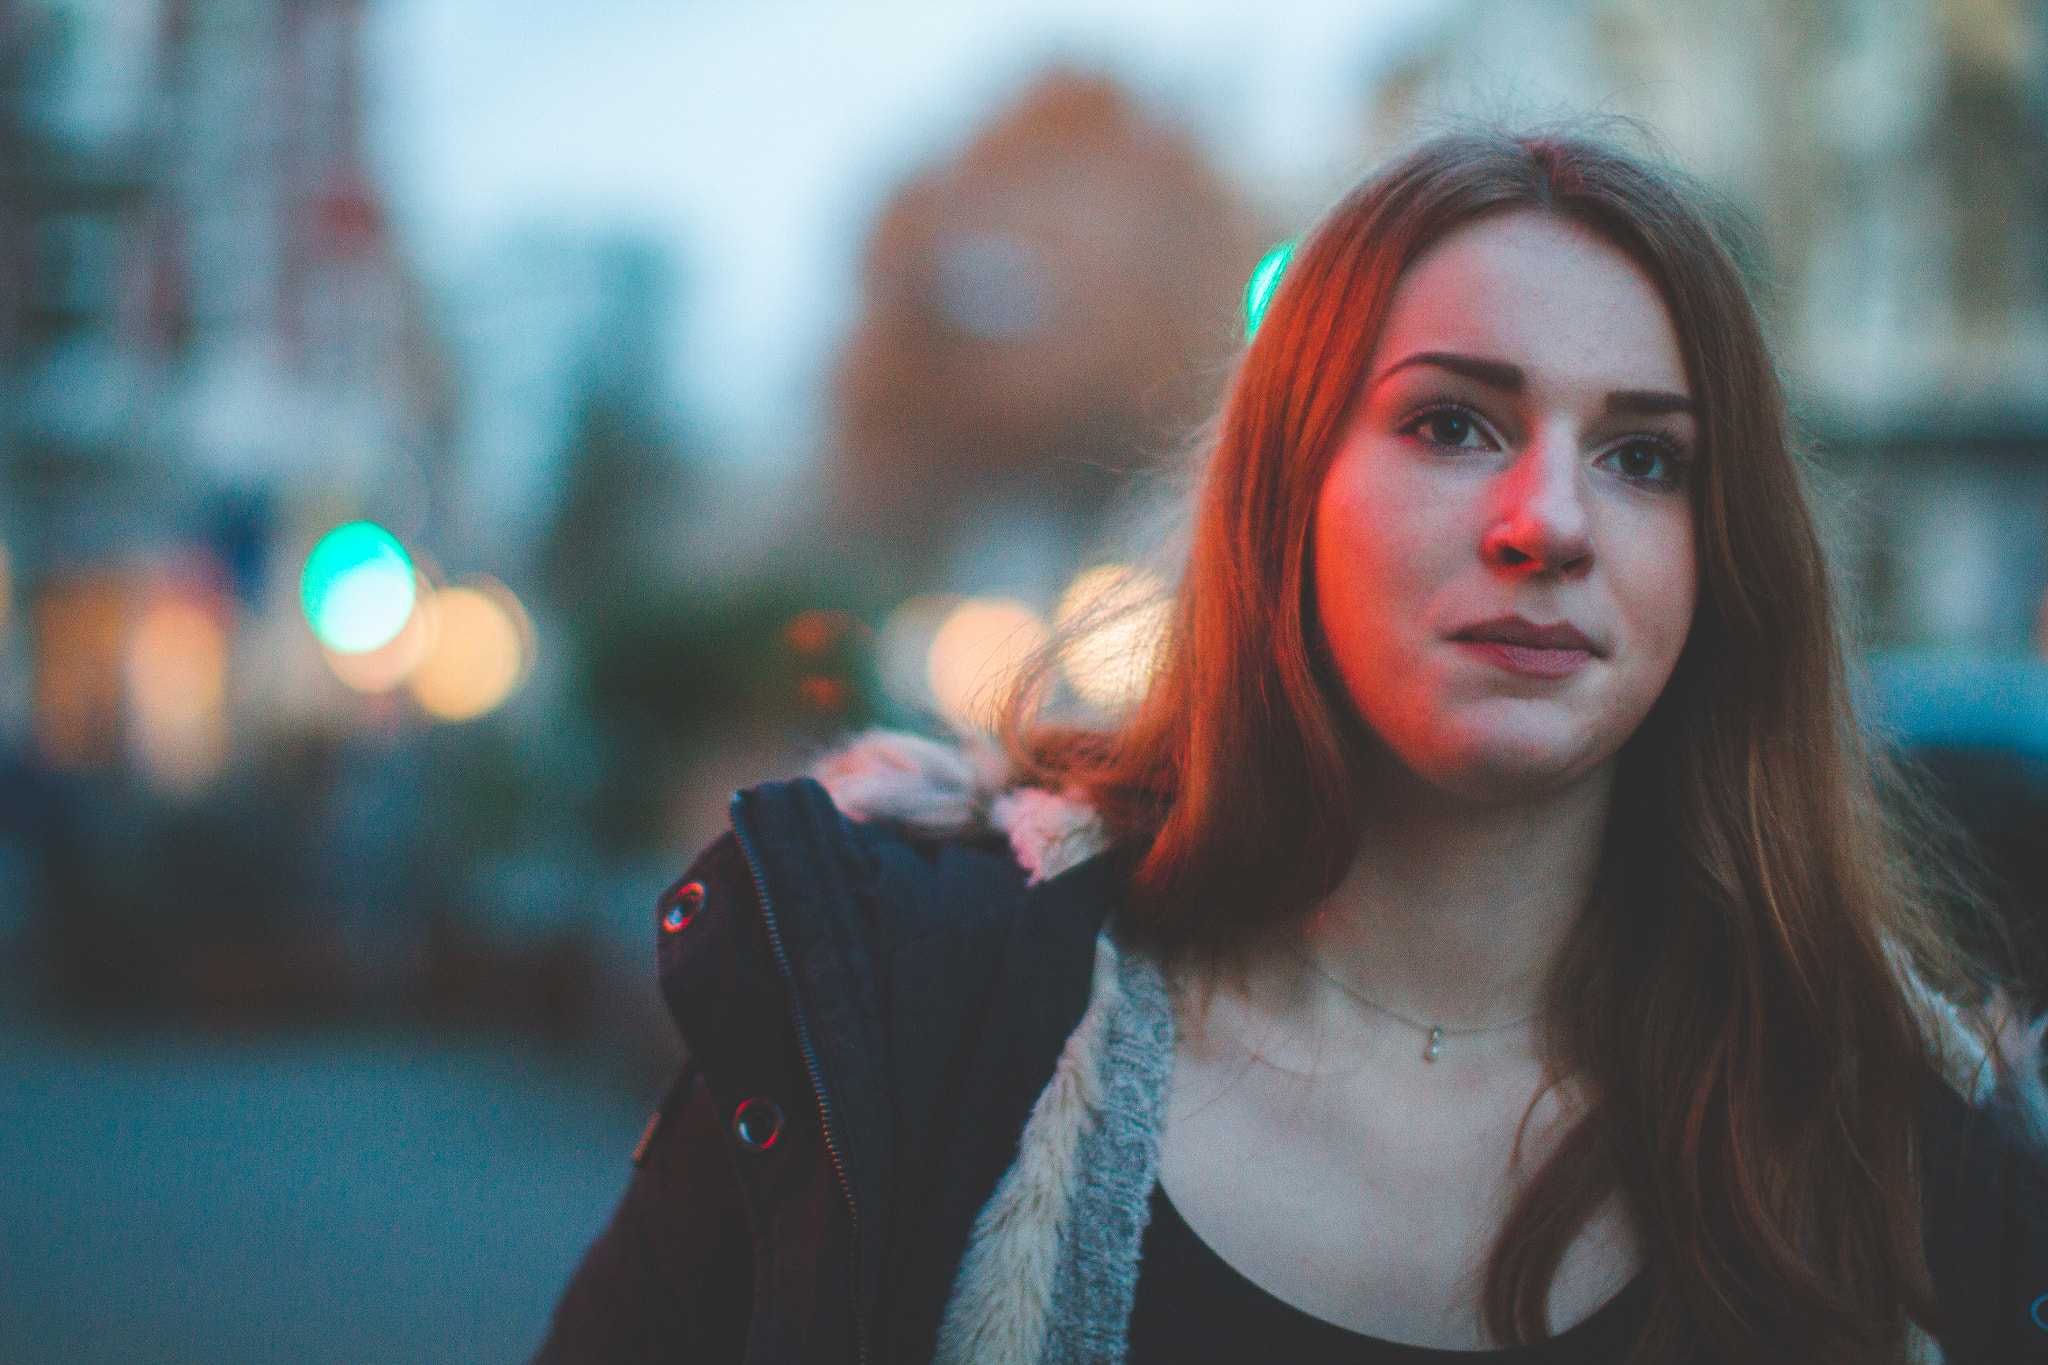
[758,140]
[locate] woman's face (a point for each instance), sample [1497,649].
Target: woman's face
[1503,551]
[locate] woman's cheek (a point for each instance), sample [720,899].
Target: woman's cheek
[1390,538]
[1657,579]
[1389,596]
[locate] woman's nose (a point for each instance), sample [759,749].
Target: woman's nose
[1540,523]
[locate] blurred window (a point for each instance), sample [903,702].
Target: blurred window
[992,286]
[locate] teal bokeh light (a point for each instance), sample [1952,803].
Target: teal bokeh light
[358,588]
[1258,292]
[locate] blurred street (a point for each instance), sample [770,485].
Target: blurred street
[297,1198]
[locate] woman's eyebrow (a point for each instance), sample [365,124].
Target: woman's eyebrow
[1647,403]
[1510,379]
[1496,374]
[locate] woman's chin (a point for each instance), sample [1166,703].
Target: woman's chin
[1496,769]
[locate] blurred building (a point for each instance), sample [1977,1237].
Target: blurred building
[212,347]
[211,351]
[1894,154]
[1042,315]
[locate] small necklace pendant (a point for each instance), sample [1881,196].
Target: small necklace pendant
[1436,1038]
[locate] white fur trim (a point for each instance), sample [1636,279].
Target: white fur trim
[1961,1050]
[1964,1040]
[2020,1041]
[1049,832]
[935,790]
[938,791]
[1001,1305]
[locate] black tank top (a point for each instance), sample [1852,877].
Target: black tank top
[1192,1308]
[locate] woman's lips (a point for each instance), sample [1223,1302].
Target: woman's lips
[1528,660]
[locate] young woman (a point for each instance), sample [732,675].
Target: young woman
[1487,939]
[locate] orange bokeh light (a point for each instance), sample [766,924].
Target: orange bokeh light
[978,654]
[175,668]
[1114,619]
[481,651]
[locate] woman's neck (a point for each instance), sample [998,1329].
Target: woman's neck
[1454,913]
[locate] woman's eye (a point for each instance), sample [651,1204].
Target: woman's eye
[1645,462]
[1448,427]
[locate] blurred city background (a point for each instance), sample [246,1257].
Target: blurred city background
[446,446]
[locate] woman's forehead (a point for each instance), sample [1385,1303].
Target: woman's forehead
[1539,293]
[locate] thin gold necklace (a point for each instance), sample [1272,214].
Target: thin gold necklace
[1436,1033]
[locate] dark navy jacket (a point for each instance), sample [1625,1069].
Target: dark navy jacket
[870,1017]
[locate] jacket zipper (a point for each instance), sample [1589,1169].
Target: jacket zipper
[810,1056]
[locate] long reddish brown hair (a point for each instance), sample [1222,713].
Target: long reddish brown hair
[1737,995]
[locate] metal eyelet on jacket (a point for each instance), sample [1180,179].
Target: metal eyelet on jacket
[689,900]
[757,1123]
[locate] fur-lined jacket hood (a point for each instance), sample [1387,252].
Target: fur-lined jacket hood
[939,1085]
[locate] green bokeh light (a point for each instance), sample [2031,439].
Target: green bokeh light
[358,588]
[1258,292]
